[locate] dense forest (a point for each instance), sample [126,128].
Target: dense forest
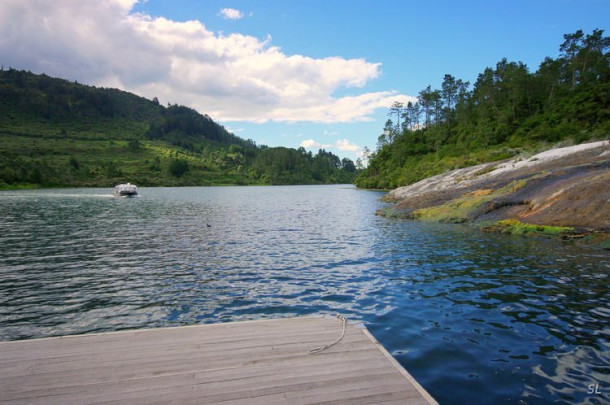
[507,111]
[54,133]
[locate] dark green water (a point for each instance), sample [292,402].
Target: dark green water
[476,318]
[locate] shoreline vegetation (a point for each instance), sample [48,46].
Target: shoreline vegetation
[562,192]
[508,111]
[514,154]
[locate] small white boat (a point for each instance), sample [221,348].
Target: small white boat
[126,190]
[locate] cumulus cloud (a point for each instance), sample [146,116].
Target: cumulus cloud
[312,144]
[340,144]
[231,14]
[229,77]
[345,145]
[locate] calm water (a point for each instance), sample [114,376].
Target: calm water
[476,318]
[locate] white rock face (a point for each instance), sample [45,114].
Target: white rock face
[467,176]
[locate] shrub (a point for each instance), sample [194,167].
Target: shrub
[178,167]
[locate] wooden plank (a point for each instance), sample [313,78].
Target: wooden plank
[228,376]
[243,362]
[104,351]
[144,360]
[88,343]
[145,366]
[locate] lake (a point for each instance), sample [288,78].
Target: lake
[474,317]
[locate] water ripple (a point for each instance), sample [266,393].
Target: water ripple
[475,317]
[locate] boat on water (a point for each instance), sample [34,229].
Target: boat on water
[126,190]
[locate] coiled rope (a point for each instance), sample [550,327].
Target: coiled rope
[322,348]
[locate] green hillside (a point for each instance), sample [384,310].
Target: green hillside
[57,133]
[509,110]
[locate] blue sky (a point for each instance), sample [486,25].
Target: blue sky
[286,73]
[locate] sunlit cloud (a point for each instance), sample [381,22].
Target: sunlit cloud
[345,145]
[234,130]
[312,144]
[231,77]
[231,14]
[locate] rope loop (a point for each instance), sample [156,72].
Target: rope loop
[322,348]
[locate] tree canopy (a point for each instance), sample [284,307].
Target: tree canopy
[60,133]
[506,110]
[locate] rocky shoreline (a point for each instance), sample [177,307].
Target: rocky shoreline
[563,191]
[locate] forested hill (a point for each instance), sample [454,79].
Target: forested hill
[507,111]
[54,132]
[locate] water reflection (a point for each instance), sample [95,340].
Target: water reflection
[493,310]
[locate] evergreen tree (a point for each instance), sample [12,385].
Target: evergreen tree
[508,107]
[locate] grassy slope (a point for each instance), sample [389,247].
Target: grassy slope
[85,148]
[57,133]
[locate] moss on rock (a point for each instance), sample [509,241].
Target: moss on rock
[516,227]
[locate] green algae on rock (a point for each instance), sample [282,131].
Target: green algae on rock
[517,227]
[560,192]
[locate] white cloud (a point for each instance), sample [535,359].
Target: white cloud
[234,130]
[229,77]
[311,144]
[231,14]
[345,145]
[340,144]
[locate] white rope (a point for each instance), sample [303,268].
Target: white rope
[322,348]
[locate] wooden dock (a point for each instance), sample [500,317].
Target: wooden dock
[252,362]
